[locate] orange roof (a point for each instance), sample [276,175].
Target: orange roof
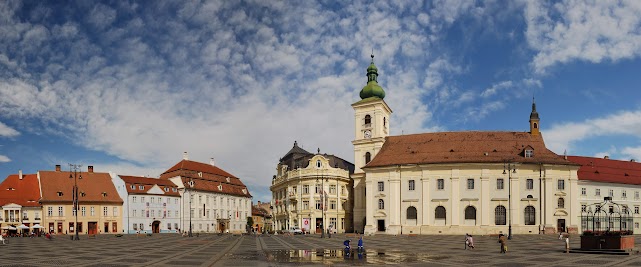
[608,170]
[25,192]
[147,183]
[464,147]
[58,187]
[207,177]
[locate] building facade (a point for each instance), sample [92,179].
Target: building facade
[20,209]
[311,191]
[100,206]
[616,179]
[456,182]
[151,205]
[212,200]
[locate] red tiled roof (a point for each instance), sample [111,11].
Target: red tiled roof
[464,147]
[608,170]
[147,183]
[25,192]
[207,177]
[92,184]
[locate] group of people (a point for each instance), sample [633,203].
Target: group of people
[347,242]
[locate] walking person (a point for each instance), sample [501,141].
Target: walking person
[470,241]
[360,243]
[503,242]
[467,240]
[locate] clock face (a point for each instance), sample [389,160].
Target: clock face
[368,134]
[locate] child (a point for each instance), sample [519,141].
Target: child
[346,243]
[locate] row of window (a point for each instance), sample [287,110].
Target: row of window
[500,214]
[280,194]
[560,204]
[71,229]
[208,200]
[333,205]
[159,200]
[216,214]
[152,213]
[440,184]
[83,211]
[597,192]
[142,187]
[141,227]
[611,209]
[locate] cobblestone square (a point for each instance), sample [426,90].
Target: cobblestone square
[299,250]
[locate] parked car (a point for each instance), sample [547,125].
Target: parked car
[296,231]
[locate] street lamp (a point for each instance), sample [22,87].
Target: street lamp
[511,168]
[75,173]
[191,185]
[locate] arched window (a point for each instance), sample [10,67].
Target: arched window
[368,157]
[561,203]
[470,213]
[530,215]
[318,164]
[439,213]
[368,119]
[499,215]
[411,213]
[381,204]
[535,125]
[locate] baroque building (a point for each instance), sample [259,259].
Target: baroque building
[20,208]
[312,192]
[212,200]
[477,182]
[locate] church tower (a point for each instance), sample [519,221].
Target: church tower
[534,120]
[372,120]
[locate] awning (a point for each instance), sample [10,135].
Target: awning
[22,226]
[37,226]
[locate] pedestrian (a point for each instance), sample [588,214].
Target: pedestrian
[567,243]
[467,240]
[346,244]
[470,241]
[360,243]
[503,242]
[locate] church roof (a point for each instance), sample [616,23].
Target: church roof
[464,147]
[608,170]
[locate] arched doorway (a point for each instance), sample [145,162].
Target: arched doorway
[155,227]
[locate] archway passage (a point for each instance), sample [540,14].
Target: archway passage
[155,227]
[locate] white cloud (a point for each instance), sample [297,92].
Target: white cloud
[563,136]
[592,31]
[496,88]
[4,159]
[6,131]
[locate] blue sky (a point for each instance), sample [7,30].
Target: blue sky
[128,86]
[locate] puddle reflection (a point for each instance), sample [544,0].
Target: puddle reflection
[356,257]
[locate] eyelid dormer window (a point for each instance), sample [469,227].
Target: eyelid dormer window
[529,153]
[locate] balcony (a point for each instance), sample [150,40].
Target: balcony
[25,218]
[37,219]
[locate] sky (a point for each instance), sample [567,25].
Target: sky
[128,86]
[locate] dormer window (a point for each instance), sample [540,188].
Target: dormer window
[59,193]
[132,187]
[529,153]
[141,187]
[220,187]
[104,194]
[82,194]
[166,189]
[244,191]
[368,120]
[228,179]
[318,164]
[174,189]
[11,189]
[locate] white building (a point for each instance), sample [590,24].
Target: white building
[213,200]
[456,182]
[605,177]
[150,205]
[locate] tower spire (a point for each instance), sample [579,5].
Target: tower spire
[534,119]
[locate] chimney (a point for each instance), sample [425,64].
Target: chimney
[606,157]
[90,169]
[185,156]
[57,168]
[633,160]
[212,162]
[20,174]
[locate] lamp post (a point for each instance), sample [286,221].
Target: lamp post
[191,185]
[509,168]
[75,173]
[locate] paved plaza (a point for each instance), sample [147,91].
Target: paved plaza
[308,250]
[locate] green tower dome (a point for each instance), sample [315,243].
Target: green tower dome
[372,89]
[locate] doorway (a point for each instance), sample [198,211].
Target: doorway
[560,225]
[381,225]
[222,226]
[319,225]
[92,228]
[106,228]
[155,227]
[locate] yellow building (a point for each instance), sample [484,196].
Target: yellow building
[456,182]
[100,206]
[312,192]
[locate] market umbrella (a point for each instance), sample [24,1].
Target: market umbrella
[5,228]
[37,226]
[24,227]
[12,228]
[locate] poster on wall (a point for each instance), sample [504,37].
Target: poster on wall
[305,224]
